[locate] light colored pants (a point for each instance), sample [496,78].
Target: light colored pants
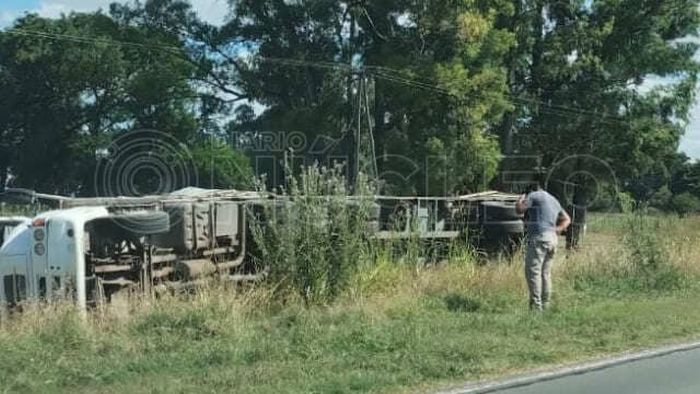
[538,267]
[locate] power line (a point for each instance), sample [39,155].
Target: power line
[380,72]
[174,49]
[92,40]
[550,108]
[557,110]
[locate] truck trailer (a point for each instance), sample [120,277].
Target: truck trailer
[93,250]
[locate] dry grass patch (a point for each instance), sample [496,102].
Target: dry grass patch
[397,327]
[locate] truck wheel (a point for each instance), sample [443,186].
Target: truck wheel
[504,237]
[505,227]
[499,211]
[144,223]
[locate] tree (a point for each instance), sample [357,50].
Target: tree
[685,204]
[73,85]
[574,79]
[685,176]
[428,65]
[661,198]
[221,167]
[53,96]
[445,87]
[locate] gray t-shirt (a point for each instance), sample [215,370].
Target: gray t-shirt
[542,214]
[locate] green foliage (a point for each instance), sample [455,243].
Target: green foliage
[221,167]
[576,72]
[460,303]
[661,198]
[650,262]
[446,82]
[625,202]
[312,238]
[685,204]
[642,262]
[672,188]
[427,331]
[686,176]
[469,163]
[71,84]
[423,135]
[21,210]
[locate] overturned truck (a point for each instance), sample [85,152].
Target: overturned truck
[98,248]
[93,250]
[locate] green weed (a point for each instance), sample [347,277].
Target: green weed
[312,238]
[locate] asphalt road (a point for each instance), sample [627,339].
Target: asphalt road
[678,373]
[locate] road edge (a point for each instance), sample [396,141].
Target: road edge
[571,370]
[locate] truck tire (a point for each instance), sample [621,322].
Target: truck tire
[504,237]
[144,223]
[505,227]
[496,211]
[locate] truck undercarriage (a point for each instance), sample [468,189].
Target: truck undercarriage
[165,250]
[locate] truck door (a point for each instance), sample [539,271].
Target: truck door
[61,261]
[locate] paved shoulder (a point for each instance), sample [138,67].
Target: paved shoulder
[672,374]
[672,370]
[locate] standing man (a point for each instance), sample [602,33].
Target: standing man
[545,220]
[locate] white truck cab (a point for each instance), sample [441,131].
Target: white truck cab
[91,254]
[45,257]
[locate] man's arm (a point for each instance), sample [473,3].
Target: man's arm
[563,222]
[521,205]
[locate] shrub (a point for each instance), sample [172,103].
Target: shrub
[639,263]
[625,202]
[650,264]
[609,199]
[312,237]
[685,204]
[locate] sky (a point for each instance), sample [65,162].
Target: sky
[215,11]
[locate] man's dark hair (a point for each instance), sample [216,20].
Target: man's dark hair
[538,181]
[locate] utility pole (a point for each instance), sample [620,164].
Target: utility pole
[358,128]
[364,156]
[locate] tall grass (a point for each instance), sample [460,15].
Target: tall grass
[314,236]
[358,320]
[634,254]
[21,210]
[650,262]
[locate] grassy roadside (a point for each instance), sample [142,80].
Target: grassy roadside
[397,329]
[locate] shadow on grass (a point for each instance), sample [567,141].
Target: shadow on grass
[461,303]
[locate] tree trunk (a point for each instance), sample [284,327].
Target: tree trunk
[578,214]
[3,177]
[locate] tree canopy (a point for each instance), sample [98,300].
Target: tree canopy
[73,85]
[439,94]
